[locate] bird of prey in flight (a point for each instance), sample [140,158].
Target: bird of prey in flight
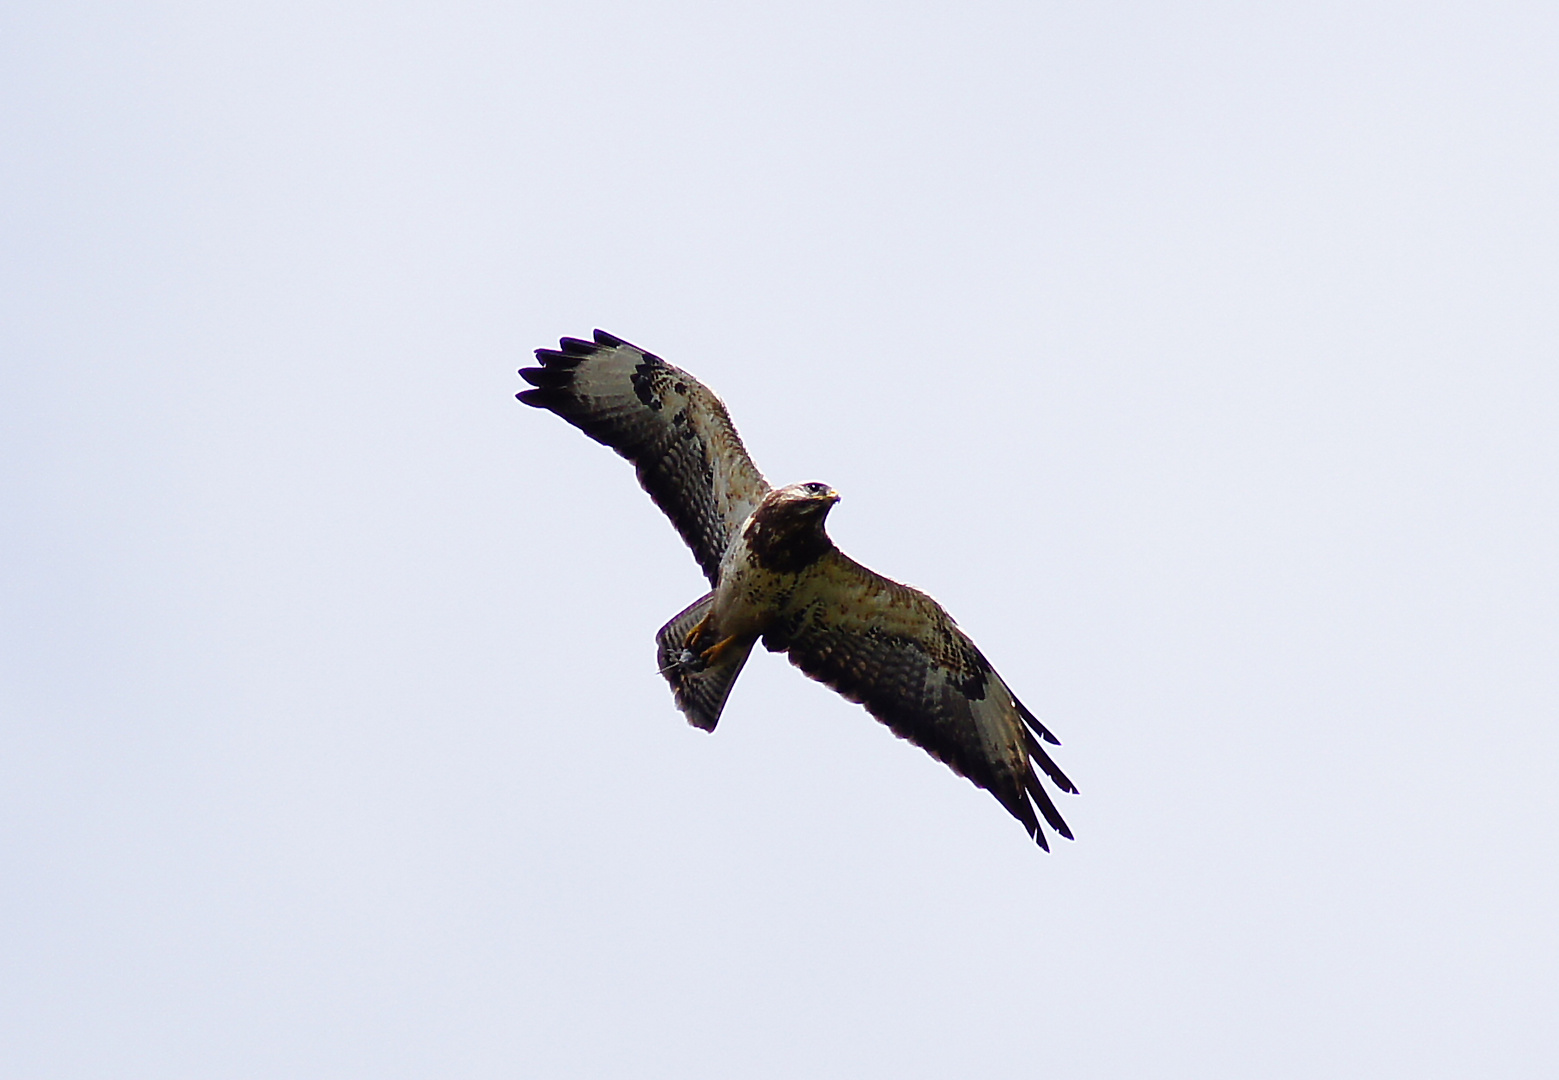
[776,577]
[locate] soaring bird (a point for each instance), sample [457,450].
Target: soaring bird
[776,577]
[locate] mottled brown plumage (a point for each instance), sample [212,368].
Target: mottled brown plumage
[778,578]
[676,433]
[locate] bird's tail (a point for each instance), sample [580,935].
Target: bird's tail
[700,687]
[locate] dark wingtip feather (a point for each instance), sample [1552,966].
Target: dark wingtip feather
[573,346]
[550,377]
[1033,722]
[611,341]
[1057,777]
[544,398]
[1036,751]
[1046,807]
[552,358]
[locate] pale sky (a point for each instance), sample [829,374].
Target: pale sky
[1200,358]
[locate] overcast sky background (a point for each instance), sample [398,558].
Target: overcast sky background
[1201,358]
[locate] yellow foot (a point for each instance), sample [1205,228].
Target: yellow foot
[698,630]
[714,652]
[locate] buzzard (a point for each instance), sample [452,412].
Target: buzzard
[776,577]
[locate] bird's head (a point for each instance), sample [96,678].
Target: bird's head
[813,498]
[801,506]
[786,531]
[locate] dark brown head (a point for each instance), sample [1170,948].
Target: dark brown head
[785,534]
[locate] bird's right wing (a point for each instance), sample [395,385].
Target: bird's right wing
[671,426]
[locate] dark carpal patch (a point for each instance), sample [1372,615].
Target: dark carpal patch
[973,685]
[643,379]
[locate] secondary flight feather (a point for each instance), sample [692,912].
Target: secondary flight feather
[776,577]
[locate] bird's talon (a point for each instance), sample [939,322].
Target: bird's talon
[698,629]
[709,655]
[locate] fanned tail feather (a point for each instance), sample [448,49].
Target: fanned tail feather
[700,690]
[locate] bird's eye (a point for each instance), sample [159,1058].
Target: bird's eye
[817,489]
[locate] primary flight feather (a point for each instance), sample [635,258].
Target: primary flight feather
[776,577]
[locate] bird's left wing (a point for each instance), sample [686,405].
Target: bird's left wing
[670,425]
[896,651]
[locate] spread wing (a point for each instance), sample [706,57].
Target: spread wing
[674,430]
[896,651]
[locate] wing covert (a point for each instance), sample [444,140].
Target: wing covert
[671,426]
